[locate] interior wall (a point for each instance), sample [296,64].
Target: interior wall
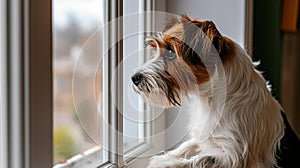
[229,15]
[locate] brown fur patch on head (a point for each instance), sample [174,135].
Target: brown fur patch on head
[198,46]
[173,30]
[207,28]
[193,34]
[170,23]
[187,76]
[227,50]
[200,34]
[154,41]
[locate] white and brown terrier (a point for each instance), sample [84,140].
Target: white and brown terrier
[235,121]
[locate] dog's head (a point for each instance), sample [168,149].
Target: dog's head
[186,54]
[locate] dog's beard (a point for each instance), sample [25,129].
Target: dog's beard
[166,85]
[159,93]
[156,97]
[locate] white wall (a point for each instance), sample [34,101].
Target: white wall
[229,17]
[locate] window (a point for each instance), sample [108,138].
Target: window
[134,110]
[59,107]
[93,61]
[77,92]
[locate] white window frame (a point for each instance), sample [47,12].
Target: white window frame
[3,117]
[129,158]
[26,72]
[146,25]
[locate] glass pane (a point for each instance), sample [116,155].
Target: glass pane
[133,45]
[77,83]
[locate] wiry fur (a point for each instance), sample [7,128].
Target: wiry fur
[242,132]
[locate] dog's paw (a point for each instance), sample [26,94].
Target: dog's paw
[156,161]
[165,161]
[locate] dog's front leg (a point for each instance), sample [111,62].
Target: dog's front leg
[177,158]
[187,149]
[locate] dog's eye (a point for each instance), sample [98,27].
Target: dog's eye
[169,53]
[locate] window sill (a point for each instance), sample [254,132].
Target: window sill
[90,158]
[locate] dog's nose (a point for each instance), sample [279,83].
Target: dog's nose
[136,78]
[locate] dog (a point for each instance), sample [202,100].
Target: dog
[235,121]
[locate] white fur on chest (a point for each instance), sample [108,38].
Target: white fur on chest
[199,117]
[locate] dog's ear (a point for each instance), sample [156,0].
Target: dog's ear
[202,28]
[195,33]
[170,23]
[192,43]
